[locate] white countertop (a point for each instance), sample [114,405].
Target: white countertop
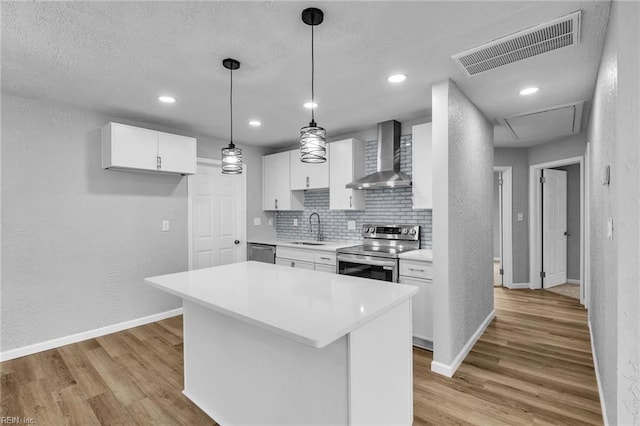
[326,245]
[311,307]
[425,255]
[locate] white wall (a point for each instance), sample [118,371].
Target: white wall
[613,135]
[78,240]
[496,214]
[462,221]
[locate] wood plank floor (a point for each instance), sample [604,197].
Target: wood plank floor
[532,366]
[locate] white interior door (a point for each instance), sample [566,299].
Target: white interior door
[554,227]
[217,216]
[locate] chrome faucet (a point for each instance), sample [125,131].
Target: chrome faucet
[319,236]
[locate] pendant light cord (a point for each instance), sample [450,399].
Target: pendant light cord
[313,119]
[231,108]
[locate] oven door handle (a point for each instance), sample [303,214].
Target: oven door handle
[356,259]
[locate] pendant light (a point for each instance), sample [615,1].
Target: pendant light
[313,147]
[231,156]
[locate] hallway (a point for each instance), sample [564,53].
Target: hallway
[533,365]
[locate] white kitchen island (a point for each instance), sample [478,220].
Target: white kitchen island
[272,345]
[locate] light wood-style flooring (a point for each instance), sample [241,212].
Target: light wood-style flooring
[532,366]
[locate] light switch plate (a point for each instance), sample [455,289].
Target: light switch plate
[520,217]
[351,224]
[256,221]
[165,225]
[270,222]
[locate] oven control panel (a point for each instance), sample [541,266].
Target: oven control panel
[392,232]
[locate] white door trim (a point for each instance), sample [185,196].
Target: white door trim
[243,209]
[507,223]
[535,231]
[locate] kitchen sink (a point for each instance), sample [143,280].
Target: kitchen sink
[306,243]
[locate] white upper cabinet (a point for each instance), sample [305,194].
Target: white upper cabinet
[134,148]
[422,167]
[276,184]
[346,164]
[177,153]
[308,175]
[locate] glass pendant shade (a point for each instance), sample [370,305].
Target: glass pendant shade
[231,160]
[313,144]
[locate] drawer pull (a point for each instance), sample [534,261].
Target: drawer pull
[325,258]
[416,270]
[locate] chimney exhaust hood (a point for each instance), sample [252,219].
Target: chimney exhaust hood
[388,174]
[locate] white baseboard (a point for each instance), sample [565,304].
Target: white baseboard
[572,281]
[85,335]
[449,369]
[514,286]
[595,367]
[496,259]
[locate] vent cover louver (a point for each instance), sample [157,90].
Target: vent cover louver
[561,32]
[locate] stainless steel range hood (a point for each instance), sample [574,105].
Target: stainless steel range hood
[388,174]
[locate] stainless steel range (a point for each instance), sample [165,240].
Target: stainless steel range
[377,257]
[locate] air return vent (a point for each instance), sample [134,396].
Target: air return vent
[561,32]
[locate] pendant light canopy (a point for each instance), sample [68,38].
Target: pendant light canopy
[313,144]
[231,156]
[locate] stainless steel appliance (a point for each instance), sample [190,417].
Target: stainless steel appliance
[377,257]
[261,252]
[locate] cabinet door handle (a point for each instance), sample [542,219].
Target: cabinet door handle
[307,181]
[416,270]
[350,201]
[158,162]
[293,264]
[325,258]
[275,202]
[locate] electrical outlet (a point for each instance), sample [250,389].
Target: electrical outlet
[165,225]
[351,224]
[295,222]
[520,217]
[256,221]
[270,222]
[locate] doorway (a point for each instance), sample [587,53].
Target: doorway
[503,224]
[216,216]
[557,227]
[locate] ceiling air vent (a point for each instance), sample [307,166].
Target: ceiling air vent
[561,32]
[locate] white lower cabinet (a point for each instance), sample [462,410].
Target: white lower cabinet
[419,275]
[326,268]
[295,263]
[306,258]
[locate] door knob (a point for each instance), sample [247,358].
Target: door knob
[567,234]
[236,242]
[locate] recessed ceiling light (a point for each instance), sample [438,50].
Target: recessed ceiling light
[255,123]
[529,91]
[166,99]
[396,78]
[310,105]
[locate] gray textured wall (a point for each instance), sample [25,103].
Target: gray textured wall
[496,214]
[517,158]
[390,205]
[604,274]
[567,147]
[78,240]
[613,134]
[626,20]
[463,264]
[573,220]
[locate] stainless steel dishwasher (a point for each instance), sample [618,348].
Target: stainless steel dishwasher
[261,252]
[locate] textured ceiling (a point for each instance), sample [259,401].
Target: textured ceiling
[117,57]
